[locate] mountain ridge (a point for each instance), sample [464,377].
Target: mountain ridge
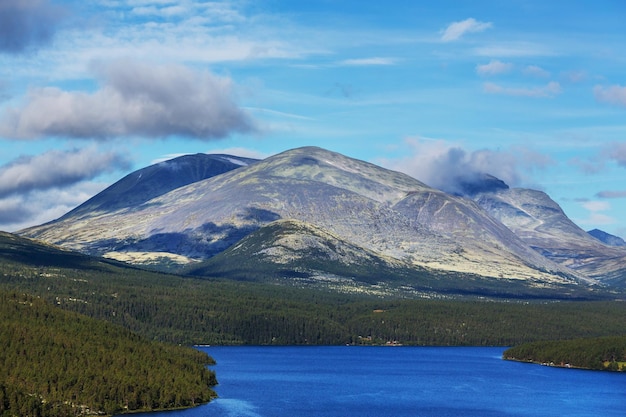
[385,213]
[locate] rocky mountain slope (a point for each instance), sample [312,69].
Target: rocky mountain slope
[327,207]
[541,223]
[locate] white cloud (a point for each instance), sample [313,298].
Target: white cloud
[494,67]
[551,89]
[596,215]
[596,205]
[37,207]
[456,30]
[368,61]
[134,99]
[615,94]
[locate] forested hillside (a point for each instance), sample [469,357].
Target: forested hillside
[604,353]
[189,311]
[196,311]
[59,363]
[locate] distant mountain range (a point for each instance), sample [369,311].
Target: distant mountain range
[312,216]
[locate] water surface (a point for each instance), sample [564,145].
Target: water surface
[401,381]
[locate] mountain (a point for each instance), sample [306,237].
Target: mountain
[607,238]
[155,180]
[312,209]
[541,224]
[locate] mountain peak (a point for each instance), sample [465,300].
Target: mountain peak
[150,182]
[607,238]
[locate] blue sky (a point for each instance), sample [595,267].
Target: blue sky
[533,92]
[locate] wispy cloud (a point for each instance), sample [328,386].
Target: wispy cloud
[615,94]
[611,194]
[596,214]
[513,49]
[368,61]
[551,89]
[27,24]
[536,71]
[134,99]
[494,67]
[456,30]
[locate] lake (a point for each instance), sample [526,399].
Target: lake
[400,381]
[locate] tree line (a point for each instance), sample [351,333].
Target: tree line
[602,353]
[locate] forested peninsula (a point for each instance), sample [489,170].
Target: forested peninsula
[59,363]
[601,353]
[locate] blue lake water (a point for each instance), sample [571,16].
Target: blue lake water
[400,381]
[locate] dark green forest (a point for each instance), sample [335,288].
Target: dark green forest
[185,310]
[602,353]
[60,363]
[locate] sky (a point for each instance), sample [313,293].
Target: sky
[530,91]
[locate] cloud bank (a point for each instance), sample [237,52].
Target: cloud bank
[27,23]
[134,99]
[55,169]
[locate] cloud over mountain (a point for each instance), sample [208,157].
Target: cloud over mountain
[133,99]
[446,166]
[27,23]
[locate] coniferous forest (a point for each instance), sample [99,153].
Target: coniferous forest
[60,363]
[602,353]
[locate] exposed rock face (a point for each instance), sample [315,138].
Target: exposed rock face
[329,208]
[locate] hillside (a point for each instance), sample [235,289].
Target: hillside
[188,311]
[411,230]
[58,363]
